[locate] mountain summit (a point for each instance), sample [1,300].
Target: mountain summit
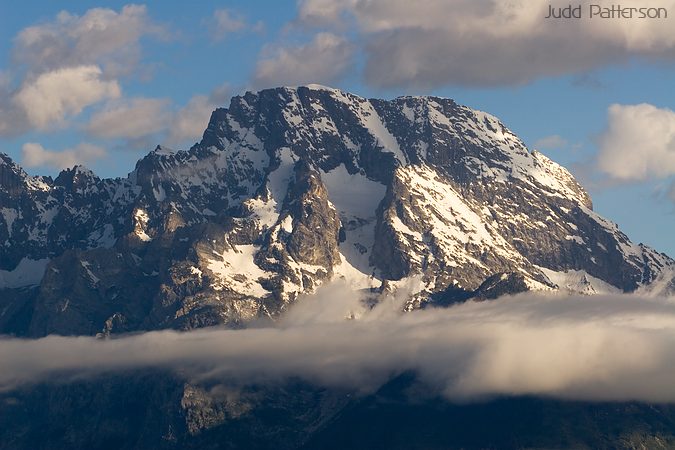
[290,188]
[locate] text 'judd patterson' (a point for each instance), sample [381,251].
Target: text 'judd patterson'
[594,11]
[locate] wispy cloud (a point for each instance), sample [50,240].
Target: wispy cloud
[226,21]
[554,141]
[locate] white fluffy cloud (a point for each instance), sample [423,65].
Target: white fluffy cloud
[639,143]
[190,121]
[591,348]
[55,95]
[130,119]
[323,60]
[432,43]
[35,155]
[100,36]
[69,63]
[137,120]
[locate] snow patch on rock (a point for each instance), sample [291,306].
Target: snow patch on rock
[28,272]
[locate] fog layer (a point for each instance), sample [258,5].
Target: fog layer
[591,348]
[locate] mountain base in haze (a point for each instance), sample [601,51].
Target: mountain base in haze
[154,410]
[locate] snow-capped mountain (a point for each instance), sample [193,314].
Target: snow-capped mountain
[290,188]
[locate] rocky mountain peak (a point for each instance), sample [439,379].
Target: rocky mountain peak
[12,177]
[79,177]
[292,187]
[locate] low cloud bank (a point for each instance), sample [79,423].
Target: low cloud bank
[589,348]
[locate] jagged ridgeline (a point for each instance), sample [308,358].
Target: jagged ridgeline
[290,188]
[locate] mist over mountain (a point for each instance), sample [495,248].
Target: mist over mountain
[415,203]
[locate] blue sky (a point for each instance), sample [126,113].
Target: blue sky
[162,66]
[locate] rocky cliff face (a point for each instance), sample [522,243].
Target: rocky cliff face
[290,188]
